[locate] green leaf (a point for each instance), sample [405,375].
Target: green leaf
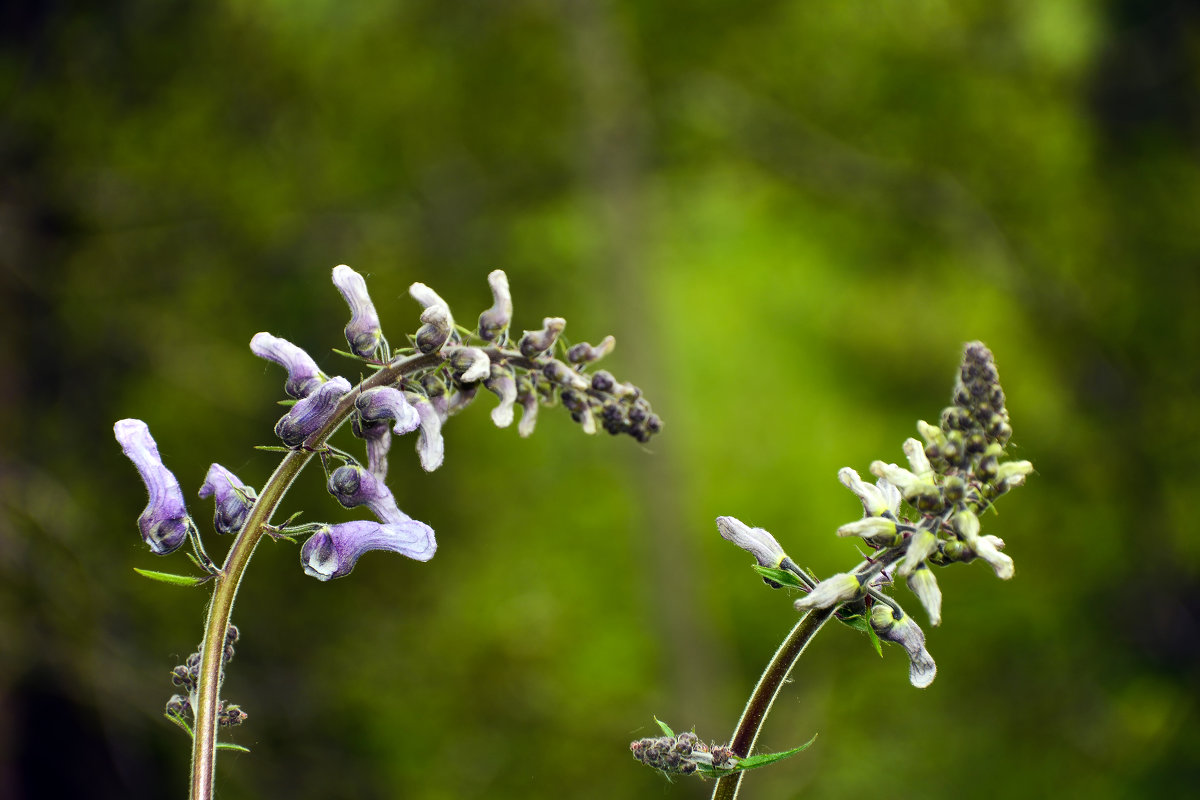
[181,722]
[167,577]
[874,637]
[272,448]
[860,623]
[666,729]
[237,748]
[780,576]
[754,762]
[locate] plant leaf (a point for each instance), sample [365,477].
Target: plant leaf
[273,448]
[181,722]
[780,576]
[666,729]
[754,762]
[237,748]
[859,623]
[167,577]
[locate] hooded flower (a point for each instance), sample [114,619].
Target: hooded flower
[501,383]
[584,353]
[378,436]
[756,541]
[498,317]
[529,407]
[882,498]
[353,486]
[470,364]
[233,498]
[333,551]
[908,634]
[534,343]
[834,590]
[165,522]
[966,524]
[385,402]
[924,585]
[311,413]
[437,319]
[430,446]
[303,374]
[362,332]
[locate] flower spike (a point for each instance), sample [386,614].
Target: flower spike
[333,551]
[164,523]
[363,332]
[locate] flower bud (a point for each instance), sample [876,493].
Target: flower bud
[430,446]
[363,332]
[557,372]
[924,585]
[906,633]
[386,402]
[833,591]
[756,541]
[470,364]
[502,384]
[909,484]
[1013,469]
[534,343]
[164,523]
[309,414]
[932,434]
[378,437]
[876,531]
[498,317]
[921,545]
[437,319]
[918,460]
[233,498]
[584,353]
[333,551]
[353,486]
[303,374]
[528,398]
[877,500]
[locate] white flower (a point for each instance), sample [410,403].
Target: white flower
[908,634]
[756,541]
[876,500]
[834,590]
[918,461]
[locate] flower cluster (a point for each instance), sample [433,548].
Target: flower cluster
[683,754]
[187,675]
[915,518]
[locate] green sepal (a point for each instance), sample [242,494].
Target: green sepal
[666,729]
[174,580]
[273,448]
[780,576]
[861,624]
[181,722]
[237,748]
[288,403]
[753,762]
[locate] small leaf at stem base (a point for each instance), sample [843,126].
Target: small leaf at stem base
[175,580]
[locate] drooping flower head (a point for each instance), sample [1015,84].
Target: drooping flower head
[908,634]
[386,402]
[164,523]
[353,486]
[233,498]
[498,317]
[311,413]
[363,332]
[304,376]
[333,551]
[438,322]
[430,446]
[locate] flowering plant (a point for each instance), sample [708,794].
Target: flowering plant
[413,389]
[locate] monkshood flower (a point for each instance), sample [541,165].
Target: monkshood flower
[333,550]
[469,364]
[497,318]
[438,322]
[430,447]
[534,343]
[303,374]
[834,590]
[378,437]
[386,402]
[233,498]
[164,523]
[311,413]
[527,396]
[584,353]
[501,383]
[353,486]
[756,541]
[878,500]
[924,585]
[908,634]
[363,332]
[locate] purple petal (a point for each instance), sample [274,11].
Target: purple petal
[304,376]
[430,446]
[353,486]
[333,551]
[311,413]
[164,523]
[233,498]
[363,331]
[501,383]
[498,317]
[385,402]
[378,437]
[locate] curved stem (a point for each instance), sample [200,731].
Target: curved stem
[204,743]
[761,700]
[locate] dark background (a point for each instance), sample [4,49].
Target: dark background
[791,215]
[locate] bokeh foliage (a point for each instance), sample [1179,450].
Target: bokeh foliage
[791,215]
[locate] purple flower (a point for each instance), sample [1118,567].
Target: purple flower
[430,446]
[470,364]
[378,437]
[756,541]
[303,374]
[311,413]
[908,634]
[439,322]
[502,383]
[534,343]
[529,408]
[233,498]
[353,486]
[165,522]
[496,318]
[385,402]
[333,551]
[363,331]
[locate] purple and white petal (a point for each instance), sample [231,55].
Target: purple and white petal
[333,551]
[386,402]
[534,343]
[430,446]
[311,413]
[304,376]
[165,522]
[908,634]
[756,541]
[363,332]
[501,383]
[232,497]
[353,486]
[498,317]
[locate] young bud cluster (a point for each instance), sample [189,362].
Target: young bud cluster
[186,676]
[682,754]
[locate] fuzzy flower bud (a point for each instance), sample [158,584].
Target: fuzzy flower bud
[353,486]
[311,413]
[876,531]
[233,498]
[834,590]
[877,500]
[363,332]
[921,545]
[918,460]
[932,434]
[502,384]
[437,319]
[303,374]
[534,343]
[430,446]
[470,364]
[165,522]
[528,398]
[584,353]
[966,524]
[906,633]
[333,551]
[498,317]
[924,585]
[756,541]
[385,402]
[910,485]
[1013,472]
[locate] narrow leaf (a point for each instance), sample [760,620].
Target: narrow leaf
[753,762]
[780,576]
[167,577]
[237,748]
[181,722]
[272,448]
[666,729]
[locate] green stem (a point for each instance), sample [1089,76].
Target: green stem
[204,743]
[761,700]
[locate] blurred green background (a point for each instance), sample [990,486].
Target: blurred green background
[790,214]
